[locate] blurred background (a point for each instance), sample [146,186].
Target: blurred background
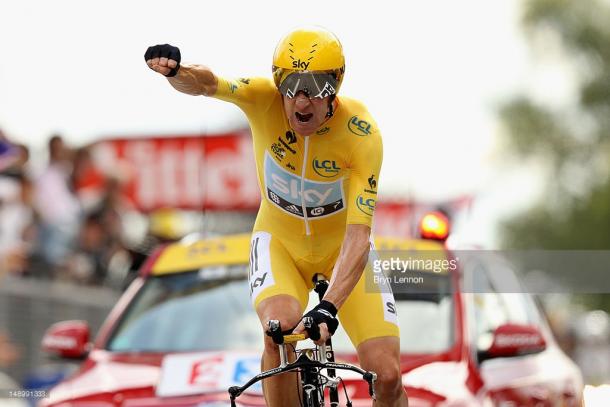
[498,113]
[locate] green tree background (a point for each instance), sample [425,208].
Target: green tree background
[570,143]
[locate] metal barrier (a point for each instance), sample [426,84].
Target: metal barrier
[29,306]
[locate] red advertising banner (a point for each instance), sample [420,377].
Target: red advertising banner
[218,173]
[187,172]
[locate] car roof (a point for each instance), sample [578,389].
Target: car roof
[192,254]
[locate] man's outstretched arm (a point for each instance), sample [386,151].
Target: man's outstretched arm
[194,80]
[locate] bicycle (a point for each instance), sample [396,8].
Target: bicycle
[309,363]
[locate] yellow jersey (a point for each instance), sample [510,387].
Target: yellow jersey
[310,186]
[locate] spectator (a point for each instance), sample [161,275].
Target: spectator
[17,225]
[87,264]
[8,153]
[57,205]
[16,212]
[86,180]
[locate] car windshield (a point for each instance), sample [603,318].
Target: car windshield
[191,311]
[209,310]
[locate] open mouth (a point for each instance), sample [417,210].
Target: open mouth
[303,118]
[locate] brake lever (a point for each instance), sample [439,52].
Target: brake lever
[275,331]
[370,378]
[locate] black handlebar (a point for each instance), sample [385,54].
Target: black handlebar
[301,363]
[234,392]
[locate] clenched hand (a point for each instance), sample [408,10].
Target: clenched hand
[163,58]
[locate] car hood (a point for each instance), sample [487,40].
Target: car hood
[105,377]
[442,381]
[188,379]
[427,382]
[150,380]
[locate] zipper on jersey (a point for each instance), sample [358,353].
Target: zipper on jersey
[303,206]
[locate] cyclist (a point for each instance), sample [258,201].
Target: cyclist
[318,159]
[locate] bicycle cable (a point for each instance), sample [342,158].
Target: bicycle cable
[348,402]
[300,396]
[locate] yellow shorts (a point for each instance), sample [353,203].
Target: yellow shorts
[287,267]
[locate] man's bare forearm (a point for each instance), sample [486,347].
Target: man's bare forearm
[195,80]
[350,264]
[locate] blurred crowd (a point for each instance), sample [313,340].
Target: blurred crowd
[63,218]
[52,223]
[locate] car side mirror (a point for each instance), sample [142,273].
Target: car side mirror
[509,340]
[67,339]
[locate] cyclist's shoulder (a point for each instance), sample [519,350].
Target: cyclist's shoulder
[359,120]
[351,103]
[353,106]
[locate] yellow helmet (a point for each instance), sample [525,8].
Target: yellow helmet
[309,49]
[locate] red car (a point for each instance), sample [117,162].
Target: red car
[184,331]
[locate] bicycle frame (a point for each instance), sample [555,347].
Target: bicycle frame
[309,362]
[321,285]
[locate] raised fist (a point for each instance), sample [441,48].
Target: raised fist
[163,58]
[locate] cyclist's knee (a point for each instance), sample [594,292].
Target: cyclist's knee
[286,324]
[389,381]
[382,356]
[270,347]
[283,308]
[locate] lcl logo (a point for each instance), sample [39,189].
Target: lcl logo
[366,206]
[359,127]
[325,168]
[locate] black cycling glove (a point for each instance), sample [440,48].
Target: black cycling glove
[164,51]
[325,312]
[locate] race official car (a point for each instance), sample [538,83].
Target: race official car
[184,331]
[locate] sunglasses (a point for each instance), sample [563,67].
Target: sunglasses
[313,84]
